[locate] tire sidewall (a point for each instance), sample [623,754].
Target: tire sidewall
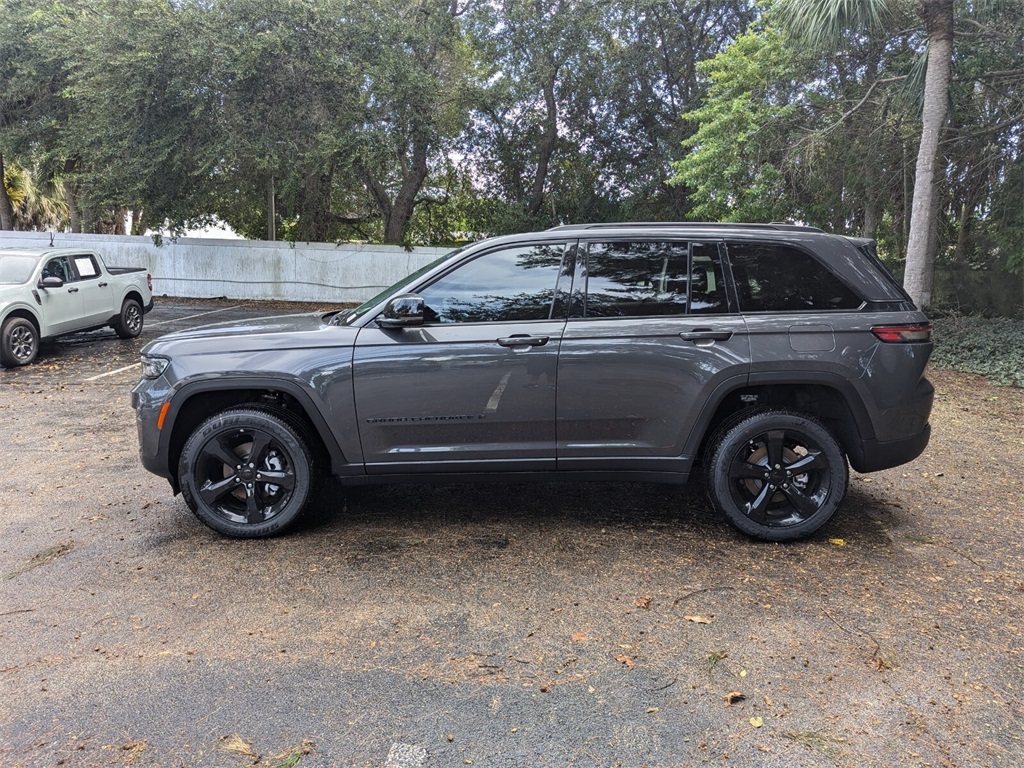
[299,456]
[730,442]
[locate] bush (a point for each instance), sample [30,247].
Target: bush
[992,347]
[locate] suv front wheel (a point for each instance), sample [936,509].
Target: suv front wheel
[777,475]
[248,472]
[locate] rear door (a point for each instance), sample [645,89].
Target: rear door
[653,330]
[97,292]
[473,388]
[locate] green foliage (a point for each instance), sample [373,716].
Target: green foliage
[733,165]
[992,347]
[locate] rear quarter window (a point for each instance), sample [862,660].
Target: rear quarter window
[772,277]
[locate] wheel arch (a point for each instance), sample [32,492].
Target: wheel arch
[28,314]
[830,398]
[196,401]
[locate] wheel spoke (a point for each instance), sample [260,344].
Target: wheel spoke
[814,460]
[260,443]
[254,513]
[283,478]
[222,453]
[212,492]
[801,502]
[757,510]
[776,441]
[744,470]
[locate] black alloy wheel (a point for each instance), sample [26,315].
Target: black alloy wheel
[247,473]
[777,475]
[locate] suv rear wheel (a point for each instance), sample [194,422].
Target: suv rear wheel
[777,475]
[248,473]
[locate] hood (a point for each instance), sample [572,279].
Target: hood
[269,333]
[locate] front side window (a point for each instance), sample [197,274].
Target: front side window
[513,284]
[779,278]
[57,268]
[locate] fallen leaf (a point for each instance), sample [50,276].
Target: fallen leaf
[644,601]
[625,660]
[652,710]
[757,722]
[837,542]
[698,619]
[733,697]
[579,637]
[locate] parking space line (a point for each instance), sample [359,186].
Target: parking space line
[111,373]
[190,317]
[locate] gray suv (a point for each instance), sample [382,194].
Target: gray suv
[764,357]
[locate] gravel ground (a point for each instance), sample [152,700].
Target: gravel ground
[499,625]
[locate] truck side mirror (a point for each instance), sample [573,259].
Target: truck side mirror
[51,282]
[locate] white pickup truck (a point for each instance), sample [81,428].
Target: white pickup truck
[47,292]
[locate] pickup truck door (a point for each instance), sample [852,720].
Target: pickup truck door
[473,388]
[97,292]
[61,308]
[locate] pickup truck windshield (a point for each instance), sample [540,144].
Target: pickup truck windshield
[16,269]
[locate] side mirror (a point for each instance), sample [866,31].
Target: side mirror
[51,282]
[402,311]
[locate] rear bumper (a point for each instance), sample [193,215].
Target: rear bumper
[875,455]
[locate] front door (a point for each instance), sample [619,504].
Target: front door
[61,307]
[473,388]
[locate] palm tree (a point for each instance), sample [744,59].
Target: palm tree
[822,23]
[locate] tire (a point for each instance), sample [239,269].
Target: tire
[777,475]
[19,342]
[129,322]
[228,463]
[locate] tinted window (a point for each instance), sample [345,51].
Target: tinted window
[636,279]
[57,268]
[650,279]
[512,284]
[778,278]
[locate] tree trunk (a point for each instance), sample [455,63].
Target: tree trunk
[70,184]
[920,272]
[547,145]
[396,213]
[6,209]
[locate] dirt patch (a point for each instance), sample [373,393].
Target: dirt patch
[506,625]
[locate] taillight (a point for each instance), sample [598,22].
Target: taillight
[903,334]
[149,281]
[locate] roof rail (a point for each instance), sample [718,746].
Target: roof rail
[688,225]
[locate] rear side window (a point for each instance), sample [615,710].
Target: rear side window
[85,266]
[780,278]
[653,278]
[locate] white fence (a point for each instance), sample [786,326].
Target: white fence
[248,269]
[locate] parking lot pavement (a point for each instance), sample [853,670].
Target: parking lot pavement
[503,625]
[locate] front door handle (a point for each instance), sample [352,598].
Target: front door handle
[523,341]
[705,334]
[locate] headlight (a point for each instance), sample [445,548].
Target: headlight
[152,367]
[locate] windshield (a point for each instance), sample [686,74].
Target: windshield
[350,316]
[16,269]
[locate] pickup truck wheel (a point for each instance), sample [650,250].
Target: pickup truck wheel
[129,322]
[19,342]
[247,472]
[777,475]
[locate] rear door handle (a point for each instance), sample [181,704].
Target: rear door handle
[705,334]
[104,285]
[72,290]
[523,341]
